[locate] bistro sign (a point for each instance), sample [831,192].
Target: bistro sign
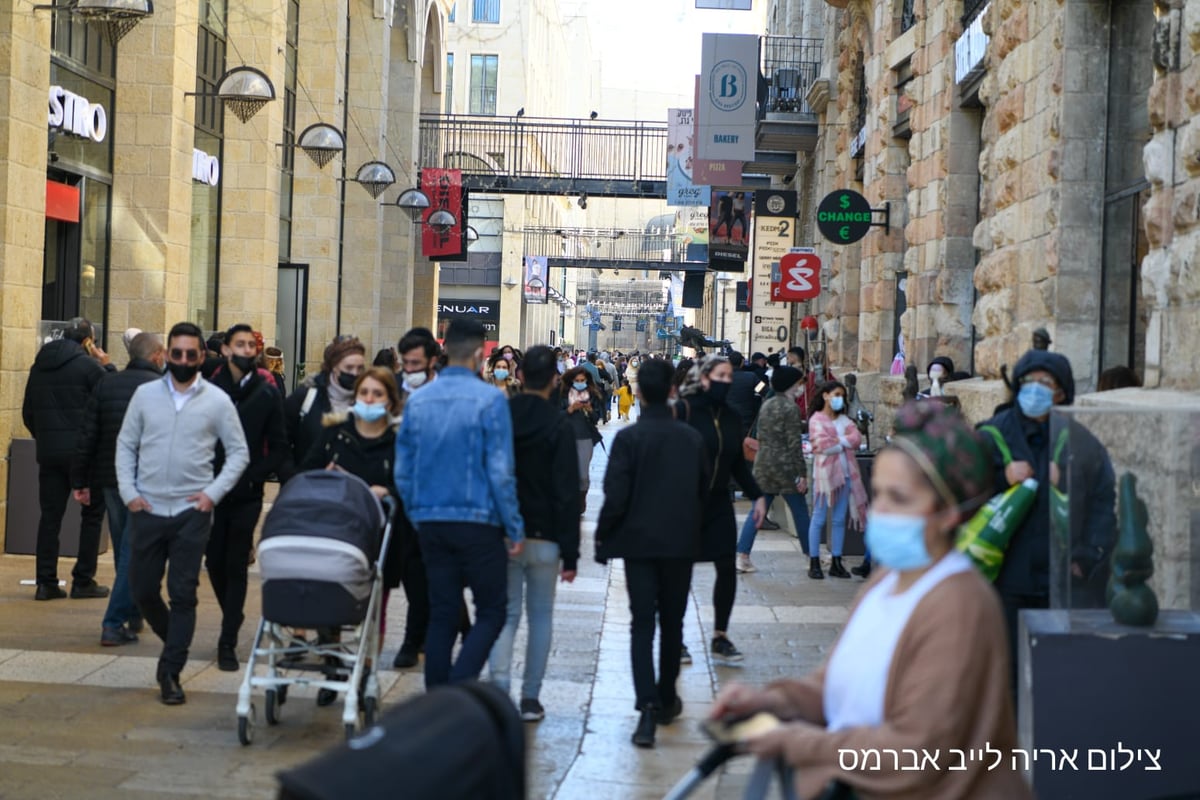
[74,114]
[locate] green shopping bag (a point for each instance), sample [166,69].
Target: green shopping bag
[985,537]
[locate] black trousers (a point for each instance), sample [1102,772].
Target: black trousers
[228,560]
[658,592]
[416,591]
[724,592]
[174,546]
[54,493]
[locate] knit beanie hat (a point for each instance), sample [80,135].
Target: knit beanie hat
[784,378]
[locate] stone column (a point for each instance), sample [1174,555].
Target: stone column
[152,172]
[24,79]
[250,176]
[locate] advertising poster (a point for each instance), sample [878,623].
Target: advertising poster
[681,190]
[769,321]
[729,220]
[728,96]
[691,228]
[486,312]
[444,189]
[535,279]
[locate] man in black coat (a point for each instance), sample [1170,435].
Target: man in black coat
[654,491]
[62,379]
[260,409]
[745,397]
[94,468]
[547,467]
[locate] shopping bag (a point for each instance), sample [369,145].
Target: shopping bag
[984,538]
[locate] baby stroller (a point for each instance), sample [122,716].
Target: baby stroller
[321,558]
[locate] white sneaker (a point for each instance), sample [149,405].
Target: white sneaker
[744,564]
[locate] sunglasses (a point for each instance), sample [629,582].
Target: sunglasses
[178,354]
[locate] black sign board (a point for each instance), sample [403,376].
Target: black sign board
[844,216]
[772,203]
[742,292]
[616,326]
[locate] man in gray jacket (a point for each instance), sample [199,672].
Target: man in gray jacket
[165,475]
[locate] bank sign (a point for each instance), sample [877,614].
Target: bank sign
[728,94]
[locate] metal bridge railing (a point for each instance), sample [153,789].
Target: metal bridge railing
[790,65]
[551,149]
[605,244]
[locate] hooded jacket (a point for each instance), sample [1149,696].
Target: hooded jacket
[547,466]
[94,465]
[56,396]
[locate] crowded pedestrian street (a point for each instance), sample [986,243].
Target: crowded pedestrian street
[81,722]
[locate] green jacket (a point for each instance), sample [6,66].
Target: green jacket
[780,459]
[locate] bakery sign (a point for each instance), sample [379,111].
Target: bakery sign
[74,114]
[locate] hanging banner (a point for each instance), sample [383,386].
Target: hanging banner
[444,189]
[774,236]
[535,279]
[799,276]
[691,226]
[681,189]
[728,96]
[729,231]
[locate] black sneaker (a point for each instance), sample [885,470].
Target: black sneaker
[669,712]
[724,650]
[531,710]
[863,570]
[768,525]
[406,657]
[685,657]
[171,692]
[84,591]
[48,591]
[115,637]
[227,660]
[136,624]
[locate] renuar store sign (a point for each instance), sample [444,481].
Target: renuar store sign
[205,168]
[73,114]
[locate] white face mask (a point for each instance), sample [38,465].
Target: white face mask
[414,380]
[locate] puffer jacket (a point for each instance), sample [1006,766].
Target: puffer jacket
[56,396]
[94,464]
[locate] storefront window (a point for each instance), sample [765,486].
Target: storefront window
[93,275]
[204,275]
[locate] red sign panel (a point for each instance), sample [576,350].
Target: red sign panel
[62,201]
[444,189]
[799,278]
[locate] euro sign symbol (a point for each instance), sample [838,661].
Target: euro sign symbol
[729,86]
[844,231]
[844,201]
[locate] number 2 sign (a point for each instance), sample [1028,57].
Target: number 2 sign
[799,278]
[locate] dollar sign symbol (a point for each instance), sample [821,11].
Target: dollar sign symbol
[844,201]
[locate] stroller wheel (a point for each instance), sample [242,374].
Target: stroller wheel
[282,693]
[274,700]
[246,727]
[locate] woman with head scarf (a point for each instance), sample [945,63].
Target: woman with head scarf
[702,405]
[922,663]
[837,482]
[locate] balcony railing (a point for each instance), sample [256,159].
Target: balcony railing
[790,65]
[629,248]
[549,156]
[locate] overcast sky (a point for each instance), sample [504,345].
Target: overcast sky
[653,46]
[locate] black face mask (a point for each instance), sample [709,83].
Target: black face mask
[346,381]
[245,364]
[183,372]
[718,391]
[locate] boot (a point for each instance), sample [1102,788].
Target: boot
[862,571]
[644,735]
[814,569]
[836,570]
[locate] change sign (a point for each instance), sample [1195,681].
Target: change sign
[844,216]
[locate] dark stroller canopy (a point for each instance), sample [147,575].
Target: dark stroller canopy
[330,504]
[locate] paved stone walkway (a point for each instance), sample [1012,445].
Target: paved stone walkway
[81,721]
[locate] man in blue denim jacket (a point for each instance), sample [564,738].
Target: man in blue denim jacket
[455,473]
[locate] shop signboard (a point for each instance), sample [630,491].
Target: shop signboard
[682,190]
[728,94]
[774,235]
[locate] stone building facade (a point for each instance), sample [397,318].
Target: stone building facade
[114,220]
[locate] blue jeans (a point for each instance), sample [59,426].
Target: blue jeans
[121,608]
[534,573]
[838,535]
[458,553]
[799,508]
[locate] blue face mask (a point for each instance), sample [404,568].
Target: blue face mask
[897,540]
[501,374]
[580,386]
[369,412]
[837,403]
[1035,400]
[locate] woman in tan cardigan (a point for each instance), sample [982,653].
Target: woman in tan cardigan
[921,668]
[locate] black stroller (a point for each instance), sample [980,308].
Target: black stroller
[321,558]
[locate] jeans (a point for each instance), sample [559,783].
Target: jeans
[658,591]
[54,493]
[799,508]
[174,545]
[121,608]
[228,560]
[534,573]
[458,552]
[841,505]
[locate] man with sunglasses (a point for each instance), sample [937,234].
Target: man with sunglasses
[165,453]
